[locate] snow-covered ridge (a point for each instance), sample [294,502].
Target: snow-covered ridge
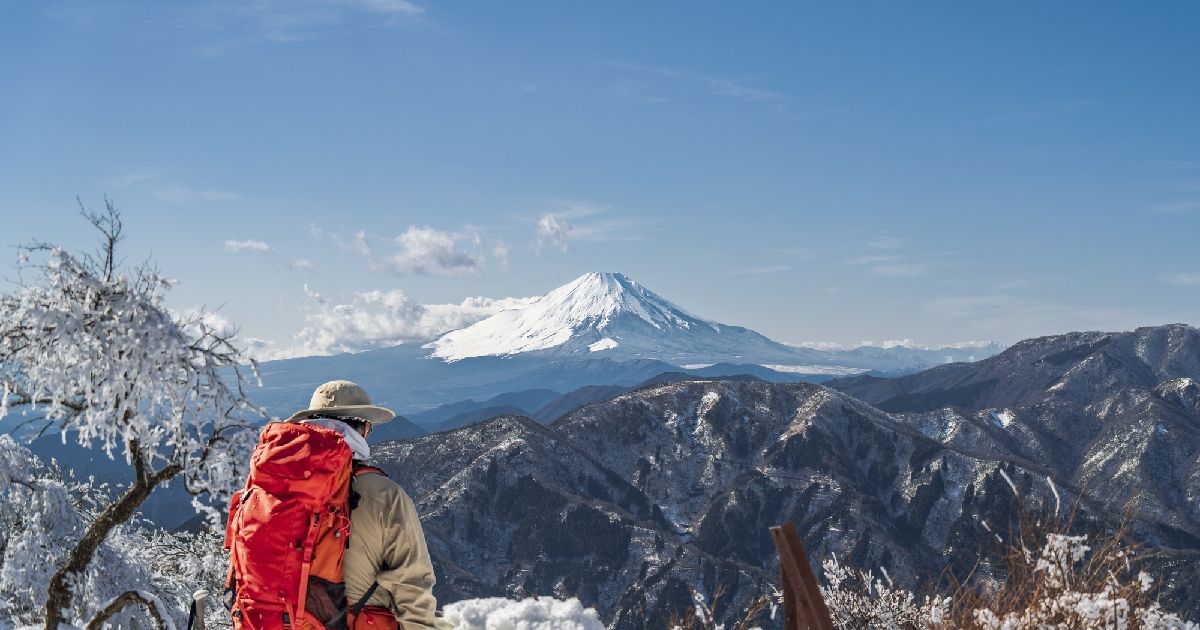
[593,302]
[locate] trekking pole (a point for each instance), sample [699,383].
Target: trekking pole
[196,615]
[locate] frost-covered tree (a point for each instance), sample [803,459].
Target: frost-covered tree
[43,512]
[88,347]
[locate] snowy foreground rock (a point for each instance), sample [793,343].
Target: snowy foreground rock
[535,613]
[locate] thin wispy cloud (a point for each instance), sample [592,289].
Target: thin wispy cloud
[249,245]
[873,259]
[886,257]
[1187,279]
[500,253]
[1008,316]
[1035,112]
[885,242]
[229,24]
[761,270]
[899,270]
[634,90]
[163,186]
[1178,208]
[735,89]
[552,230]
[1015,283]
[580,221]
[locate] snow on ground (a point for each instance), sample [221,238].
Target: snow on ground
[815,369]
[604,344]
[535,613]
[1003,418]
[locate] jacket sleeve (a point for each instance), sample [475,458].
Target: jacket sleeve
[407,573]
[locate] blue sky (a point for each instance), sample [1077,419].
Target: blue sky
[814,171]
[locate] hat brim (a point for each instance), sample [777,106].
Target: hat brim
[371,413]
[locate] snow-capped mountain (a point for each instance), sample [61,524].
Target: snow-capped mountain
[610,315]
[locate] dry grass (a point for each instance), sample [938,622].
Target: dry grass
[1044,572]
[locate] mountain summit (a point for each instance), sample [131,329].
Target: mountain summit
[611,314]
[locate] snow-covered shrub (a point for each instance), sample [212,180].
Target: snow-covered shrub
[88,347]
[1071,583]
[701,616]
[858,599]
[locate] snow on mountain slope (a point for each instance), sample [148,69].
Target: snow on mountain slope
[609,313]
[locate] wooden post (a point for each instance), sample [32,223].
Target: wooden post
[803,606]
[196,618]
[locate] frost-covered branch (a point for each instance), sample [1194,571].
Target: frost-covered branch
[91,347]
[130,598]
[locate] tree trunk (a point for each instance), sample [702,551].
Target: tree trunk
[59,594]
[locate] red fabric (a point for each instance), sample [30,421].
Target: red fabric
[374,618]
[287,530]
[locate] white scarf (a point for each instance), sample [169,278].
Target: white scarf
[354,439]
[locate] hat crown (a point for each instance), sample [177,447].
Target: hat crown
[338,394]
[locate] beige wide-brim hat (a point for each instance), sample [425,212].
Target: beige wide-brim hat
[343,398]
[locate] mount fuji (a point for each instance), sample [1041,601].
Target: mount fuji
[609,315]
[600,330]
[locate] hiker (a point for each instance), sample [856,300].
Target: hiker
[317,457]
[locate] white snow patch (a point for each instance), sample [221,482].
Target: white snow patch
[604,344]
[1004,417]
[815,369]
[535,613]
[696,366]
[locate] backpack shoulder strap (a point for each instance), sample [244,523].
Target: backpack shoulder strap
[362,469]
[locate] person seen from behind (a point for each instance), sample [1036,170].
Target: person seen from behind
[386,565]
[319,539]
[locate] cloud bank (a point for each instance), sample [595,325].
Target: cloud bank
[378,319]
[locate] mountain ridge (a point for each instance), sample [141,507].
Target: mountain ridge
[681,480]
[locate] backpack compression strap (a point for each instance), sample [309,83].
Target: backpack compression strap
[357,608]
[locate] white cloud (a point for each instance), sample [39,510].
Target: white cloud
[377,319]
[553,230]
[500,253]
[426,251]
[301,264]
[1182,279]
[162,186]
[579,221]
[820,345]
[248,245]
[422,251]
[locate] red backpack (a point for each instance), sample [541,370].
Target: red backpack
[288,530]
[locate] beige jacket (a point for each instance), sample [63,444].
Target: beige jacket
[387,546]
